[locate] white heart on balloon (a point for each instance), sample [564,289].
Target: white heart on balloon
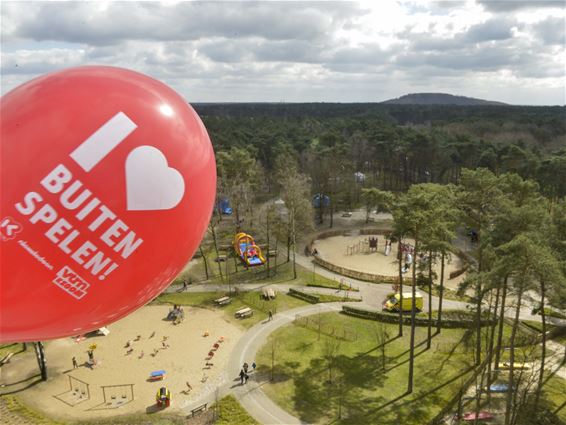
[150,183]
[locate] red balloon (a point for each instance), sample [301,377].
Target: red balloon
[108,181]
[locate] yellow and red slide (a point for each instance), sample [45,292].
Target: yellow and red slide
[247,250]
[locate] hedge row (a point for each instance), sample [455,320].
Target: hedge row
[311,298]
[459,272]
[419,321]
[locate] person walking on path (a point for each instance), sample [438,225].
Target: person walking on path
[75,364]
[246,368]
[270,313]
[253,366]
[242,376]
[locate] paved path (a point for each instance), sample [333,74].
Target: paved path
[251,395]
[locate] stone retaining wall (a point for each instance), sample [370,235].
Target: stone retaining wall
[371,277]
[366,277]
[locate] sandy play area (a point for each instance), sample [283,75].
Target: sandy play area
[353,253]
[181,350]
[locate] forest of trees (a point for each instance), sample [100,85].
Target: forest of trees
[394,146]
[498,170]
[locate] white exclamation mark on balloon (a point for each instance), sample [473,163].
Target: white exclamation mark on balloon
[109,270]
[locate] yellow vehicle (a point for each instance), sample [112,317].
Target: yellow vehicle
[516,366]
[392,303]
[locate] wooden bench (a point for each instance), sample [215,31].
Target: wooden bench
[245,312]
[223,300]
[199,409]
[6,358]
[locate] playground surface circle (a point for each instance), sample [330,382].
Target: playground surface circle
[182,354]
[354,253]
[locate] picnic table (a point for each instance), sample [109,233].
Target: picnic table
[269,294]
[223,300]
[244,312]
[157,375]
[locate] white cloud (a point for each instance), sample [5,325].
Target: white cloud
[299,51]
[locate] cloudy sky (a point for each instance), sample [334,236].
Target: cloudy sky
[366,51]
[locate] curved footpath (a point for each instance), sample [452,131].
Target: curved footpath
[251,395]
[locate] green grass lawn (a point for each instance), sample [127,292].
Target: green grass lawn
[15,348]
[23,413]
[552,313]
[230,412]
[244,299]
[317,280]
[559,337]
[556,396]
[448,293]
[304,386]
[237,274]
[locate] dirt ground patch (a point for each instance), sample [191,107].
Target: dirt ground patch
[352,252]
[181,350]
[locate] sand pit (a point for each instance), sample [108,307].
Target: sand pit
[184,360]
[335,250]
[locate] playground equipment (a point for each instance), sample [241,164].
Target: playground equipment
[247,250]
[157,375]
[363,246]
[78,392]
[163,397]
[117,395]
[373,244]
[392,303]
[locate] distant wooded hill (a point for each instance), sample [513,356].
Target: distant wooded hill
[439,99]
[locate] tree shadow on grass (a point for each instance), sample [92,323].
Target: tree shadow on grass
[378,347]
[317,397]
[396,365]
[416,409]
[461,341]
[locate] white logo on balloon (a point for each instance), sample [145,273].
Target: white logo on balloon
[150,183]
